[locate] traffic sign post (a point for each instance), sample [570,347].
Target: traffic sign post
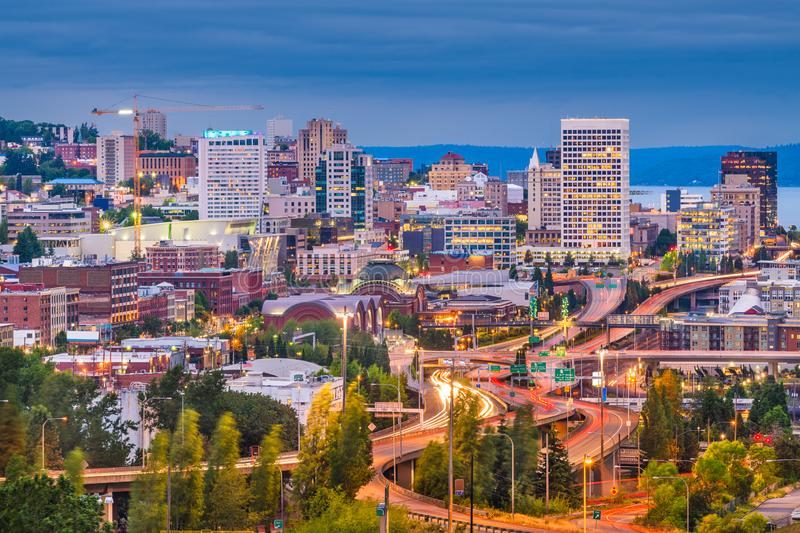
[539,366]
[277,524]
[494,368]
[561,351]
[518,369]
[564,375]
[544,353]
[596,514]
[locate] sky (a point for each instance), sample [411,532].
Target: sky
[412,72]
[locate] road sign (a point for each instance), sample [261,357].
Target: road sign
[518,369]
[539,367]
[380,510]
[596,514]
[564,375]
[459,487]
[612,285]
[605,393]
[544,353]
[277,524]
[494,368]
[544,316]
[561,351]
[599,285]
[372,426]
[388,407]
[614,490]
[533,339]
[512,394]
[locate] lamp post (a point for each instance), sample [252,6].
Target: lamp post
[513,481]
[602,353]
[62,418]
[344,316]
[587,462]
[687,495]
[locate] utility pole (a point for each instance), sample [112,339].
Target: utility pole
[547,473]
[450,450]
[344,361]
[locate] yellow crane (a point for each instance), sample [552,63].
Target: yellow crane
[135,113]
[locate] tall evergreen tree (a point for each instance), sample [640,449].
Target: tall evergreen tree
[188,482]
[227,498]
[561,481]
[28,246]
[314,469]
[73,465]
[147,512]
[265,482]
[351,458]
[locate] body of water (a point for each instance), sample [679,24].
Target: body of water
[788,200]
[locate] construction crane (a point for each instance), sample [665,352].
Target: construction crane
[135,113]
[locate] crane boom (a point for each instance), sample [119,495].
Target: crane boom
[135,112]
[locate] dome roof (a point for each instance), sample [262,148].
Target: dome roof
[382,271]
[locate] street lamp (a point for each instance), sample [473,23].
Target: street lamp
[344,316]
[587,462]
[687,495]
[62,418]
[513,481]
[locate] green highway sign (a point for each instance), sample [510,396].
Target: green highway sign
[561,351]
[539,367]
[533,339]
[494,368]
[599,285]
[544,353]
[612,285]
[596,514]
[518,369]
[277,524]
[564,375]
[380,510]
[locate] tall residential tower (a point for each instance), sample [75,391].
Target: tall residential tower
[344,184]
[312,142]
[761,169]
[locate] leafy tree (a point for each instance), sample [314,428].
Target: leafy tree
[754,522]
[61,340]
[267,477]
[73,466]
[4,231]
[19,161]
[12,434]
[147,511]
[431,472]
[28,246]
[668,495]
[231,259]
[39,504]
[526,448]
[152,325]
[342,514]
[188,482]
[227,498]
[569,260]
[723,473]
[351,456]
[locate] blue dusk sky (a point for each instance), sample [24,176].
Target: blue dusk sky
[499,72]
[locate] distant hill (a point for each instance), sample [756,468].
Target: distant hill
[674,165]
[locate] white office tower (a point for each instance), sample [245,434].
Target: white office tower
[595,167]
[232,170]
[114,158]
[278,127]
[344,181]
[544,195]
[155,121]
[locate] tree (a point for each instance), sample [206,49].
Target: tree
[754,522]
[19,162]
[231,259]
[4,231]
[561,483]
[147,511]
[188,482]
[431,473]
[569,260]
[351,456]
[12,434]
[265,482]
[313,471]
[227,498]
[528,257]
[73,466]
[61,340]
[28,246]
[39,504]
[152,325]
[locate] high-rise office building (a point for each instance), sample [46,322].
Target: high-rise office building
[544,195]
[313,141]
[114,158]
[761,169]
[708,229]
[449,172]
[155,121]
[278,127]
[553,157]
[232,171]
[595,165]
[736,192]
[344,185]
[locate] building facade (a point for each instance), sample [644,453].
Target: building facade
[449,172]
[544,195]
[33,307]
[761,169]
[595,165]
[52,220]
[168,168]
[168,256]
[708,230]
[479,233]
[344,185]
[155,121]
[313,141]
[736,192]
[393,173]
[232,167]
[115,158]
[278,127]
